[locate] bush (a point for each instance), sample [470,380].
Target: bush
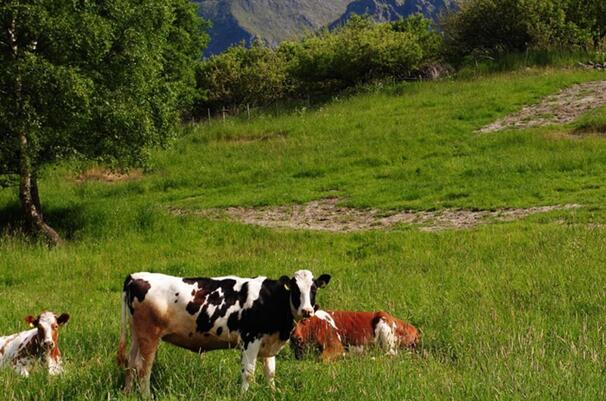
[239,76]
[359,52]
[492,28]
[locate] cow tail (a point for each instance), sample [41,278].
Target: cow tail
[122,360]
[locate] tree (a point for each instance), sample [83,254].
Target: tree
[92,79]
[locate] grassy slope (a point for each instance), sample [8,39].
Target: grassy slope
[508,311]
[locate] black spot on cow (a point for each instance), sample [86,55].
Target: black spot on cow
[192,308]
[219,331]
[176,300]
[203,322]
[243,295]
[295,294]
[176,294]
[135,288]
[215,298]
[232,322]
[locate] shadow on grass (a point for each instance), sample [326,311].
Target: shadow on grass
[67,221]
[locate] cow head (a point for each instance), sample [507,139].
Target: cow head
[47,324]
[302,287]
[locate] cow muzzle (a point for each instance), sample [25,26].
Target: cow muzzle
[48,345]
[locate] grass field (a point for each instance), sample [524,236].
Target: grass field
[508,311]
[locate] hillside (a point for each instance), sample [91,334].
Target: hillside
[510,308]
[272,21]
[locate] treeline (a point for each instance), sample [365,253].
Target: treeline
[318,65]
[325,63]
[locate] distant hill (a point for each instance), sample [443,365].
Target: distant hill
[272,21]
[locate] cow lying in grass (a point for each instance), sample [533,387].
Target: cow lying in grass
[21,350]
[332,332]
[202,314]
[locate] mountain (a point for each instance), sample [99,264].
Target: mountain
[272,21]
[391,10]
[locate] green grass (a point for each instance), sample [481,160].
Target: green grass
[508,311]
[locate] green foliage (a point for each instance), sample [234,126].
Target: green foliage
[94,79]
[496,27]
[241,76]
[358,52]
[320,64]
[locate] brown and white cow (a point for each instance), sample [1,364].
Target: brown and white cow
[21,350]
[332,332]
[256,315]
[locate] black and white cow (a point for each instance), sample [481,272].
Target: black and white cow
[202,314]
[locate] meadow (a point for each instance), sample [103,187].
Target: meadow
[508,310]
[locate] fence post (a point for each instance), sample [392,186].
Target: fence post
[223,112]
[208,115]
[248,110]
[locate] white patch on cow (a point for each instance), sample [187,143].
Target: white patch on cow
[385,335]
[322,314]
[254,289]
[9,349]
[48,322]
[249,362]
[304,280]
[269,370]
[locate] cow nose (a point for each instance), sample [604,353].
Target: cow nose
[49,345]
[307,312]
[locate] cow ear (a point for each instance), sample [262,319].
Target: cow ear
[31,321]
[323,280]
[61,320]
[285,281]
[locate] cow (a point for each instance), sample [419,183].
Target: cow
[40,343]
[256,315]
[332,332]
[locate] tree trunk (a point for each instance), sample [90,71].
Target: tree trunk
[28,194]
[36,194]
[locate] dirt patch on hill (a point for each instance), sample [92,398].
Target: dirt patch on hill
[327,215]
[560,108]
[106,175]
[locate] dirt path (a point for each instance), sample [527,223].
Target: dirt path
[563,107]
[327,215]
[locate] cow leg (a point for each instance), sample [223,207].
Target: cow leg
[54,365]
[269,370]
[249,362]
[386,337]
[147,354]
[22,367]
[332,350]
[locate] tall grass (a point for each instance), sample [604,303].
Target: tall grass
[508,311]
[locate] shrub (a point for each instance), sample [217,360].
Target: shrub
[239,76]
[358,52]
[496,27]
